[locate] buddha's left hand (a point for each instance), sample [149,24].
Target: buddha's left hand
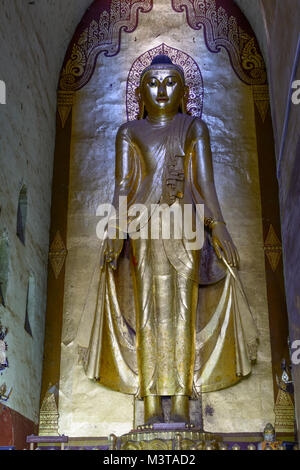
[222,242]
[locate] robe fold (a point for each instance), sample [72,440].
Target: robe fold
[169,320]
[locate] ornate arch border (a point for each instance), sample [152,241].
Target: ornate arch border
[226,27]
[100,33]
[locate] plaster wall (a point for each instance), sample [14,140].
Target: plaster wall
[284,37]
[33,41]
[279,35]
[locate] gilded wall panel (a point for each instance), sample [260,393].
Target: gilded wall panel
[99,108]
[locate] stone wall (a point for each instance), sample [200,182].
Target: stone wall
[34,37]
[284,29]
[279,34]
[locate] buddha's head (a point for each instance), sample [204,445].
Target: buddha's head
[162,90]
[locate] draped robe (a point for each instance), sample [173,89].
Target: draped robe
[185,332]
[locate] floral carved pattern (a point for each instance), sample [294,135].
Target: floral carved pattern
[57,254]
[222,30]
[192,75]
[273,248]
[102,36]
[48,425]
[261,99]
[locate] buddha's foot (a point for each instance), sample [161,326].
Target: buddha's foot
[179,419]
[155,420]
[153,412]
[180,409]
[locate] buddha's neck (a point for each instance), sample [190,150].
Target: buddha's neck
[160,120]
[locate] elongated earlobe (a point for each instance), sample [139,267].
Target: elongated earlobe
[141,113]
[183,106]
[184,100]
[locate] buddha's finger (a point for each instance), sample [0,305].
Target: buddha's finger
[114,262]
[216,248]
[109,248]
[227,253]
[231,254]
[236,257]
[102,260]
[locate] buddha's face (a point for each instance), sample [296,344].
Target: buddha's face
[162,91]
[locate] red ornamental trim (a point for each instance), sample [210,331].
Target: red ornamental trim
[225,26]
[192,73]
[102,35]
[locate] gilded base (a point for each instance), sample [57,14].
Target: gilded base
[175,437]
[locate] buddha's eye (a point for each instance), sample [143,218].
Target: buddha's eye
[152,83]
[171,82]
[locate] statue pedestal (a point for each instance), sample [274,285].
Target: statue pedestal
[168,436]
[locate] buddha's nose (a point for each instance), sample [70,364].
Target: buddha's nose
[161,90]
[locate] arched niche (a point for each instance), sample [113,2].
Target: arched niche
[92,95]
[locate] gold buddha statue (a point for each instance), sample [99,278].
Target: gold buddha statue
[184,334]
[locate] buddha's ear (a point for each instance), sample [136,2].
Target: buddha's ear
[140,101]
[186,92]
[138,93]
[184,100]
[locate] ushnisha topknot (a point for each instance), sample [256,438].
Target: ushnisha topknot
[161,62]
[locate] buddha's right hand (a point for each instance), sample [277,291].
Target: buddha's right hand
[113,248]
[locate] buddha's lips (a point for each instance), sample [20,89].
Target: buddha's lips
[164,100]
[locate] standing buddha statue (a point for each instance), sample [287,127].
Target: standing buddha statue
[170,345]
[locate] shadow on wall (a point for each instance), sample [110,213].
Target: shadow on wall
[22,214]
[2,92]
[4,266]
